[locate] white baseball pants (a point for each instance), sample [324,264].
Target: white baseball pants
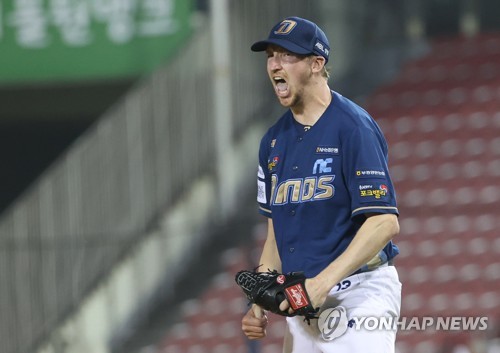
[371,294]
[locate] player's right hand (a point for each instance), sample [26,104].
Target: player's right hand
[254,323]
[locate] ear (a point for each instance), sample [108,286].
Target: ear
[317,64]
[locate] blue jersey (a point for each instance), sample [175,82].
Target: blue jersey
[318,183]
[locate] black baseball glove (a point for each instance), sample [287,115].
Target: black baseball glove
[269,289]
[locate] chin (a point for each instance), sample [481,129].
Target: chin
[286,104]
[289,102]
[286,101]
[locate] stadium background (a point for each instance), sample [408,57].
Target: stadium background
[129,136]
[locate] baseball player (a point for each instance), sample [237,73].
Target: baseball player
[324,184]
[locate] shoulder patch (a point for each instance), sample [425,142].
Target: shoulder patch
[261,192]
[260,173]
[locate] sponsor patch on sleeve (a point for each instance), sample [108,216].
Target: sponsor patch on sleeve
[370,173]
[261,192]
[373,192]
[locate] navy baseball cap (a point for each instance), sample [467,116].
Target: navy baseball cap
[297,35]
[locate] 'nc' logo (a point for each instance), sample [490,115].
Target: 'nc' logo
[285,27]
[323,166]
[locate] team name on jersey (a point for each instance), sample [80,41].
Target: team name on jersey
[314,188]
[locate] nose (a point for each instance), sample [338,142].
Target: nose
[274,62]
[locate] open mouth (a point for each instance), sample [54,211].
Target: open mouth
[280,86]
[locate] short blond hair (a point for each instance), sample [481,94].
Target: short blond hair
[325,72]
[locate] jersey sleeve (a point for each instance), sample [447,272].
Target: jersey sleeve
[366,174]
[264,178]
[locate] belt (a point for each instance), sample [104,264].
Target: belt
[367,269]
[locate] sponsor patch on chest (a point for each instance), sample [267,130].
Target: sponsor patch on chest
[327,150]
[272,163]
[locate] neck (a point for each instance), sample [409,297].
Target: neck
[314,103]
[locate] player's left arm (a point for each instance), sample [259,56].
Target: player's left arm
[371,238]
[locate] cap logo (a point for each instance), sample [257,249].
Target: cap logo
[285,27]
[322,48]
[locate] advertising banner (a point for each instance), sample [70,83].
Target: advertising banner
[68,40]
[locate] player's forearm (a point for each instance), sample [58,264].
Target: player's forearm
[270,259]
[371,238]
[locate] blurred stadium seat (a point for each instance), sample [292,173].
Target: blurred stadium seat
[212,322]
[441,118]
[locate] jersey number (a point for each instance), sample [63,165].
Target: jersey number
[343,285]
